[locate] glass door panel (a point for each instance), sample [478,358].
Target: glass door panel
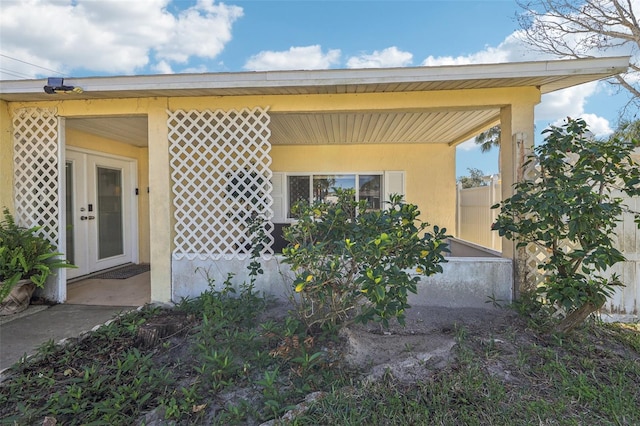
[110,213]
[69,195]
[101,212]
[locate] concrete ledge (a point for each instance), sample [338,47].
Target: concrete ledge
[189,278]
[465,283]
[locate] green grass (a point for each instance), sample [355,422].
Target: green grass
[591,377]
[232,364]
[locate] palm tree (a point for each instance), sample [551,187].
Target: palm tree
[489,139]
[627,130]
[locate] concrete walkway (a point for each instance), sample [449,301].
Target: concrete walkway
[39,324]
[90,302]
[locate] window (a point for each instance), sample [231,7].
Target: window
[322,188]
[245,186]
[288,188]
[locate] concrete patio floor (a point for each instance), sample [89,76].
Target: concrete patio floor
[134,291]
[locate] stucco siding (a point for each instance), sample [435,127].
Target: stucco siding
[429,170]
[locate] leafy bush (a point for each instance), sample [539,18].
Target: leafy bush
[572,212]
[25,255]
[346,257]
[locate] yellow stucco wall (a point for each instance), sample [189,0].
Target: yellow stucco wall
[6,158]
[429,170]
[99,144]
[440,99]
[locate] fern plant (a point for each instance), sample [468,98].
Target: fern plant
[25,255]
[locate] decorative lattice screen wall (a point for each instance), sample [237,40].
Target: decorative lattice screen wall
[221,181]
[36,152]
[529,258]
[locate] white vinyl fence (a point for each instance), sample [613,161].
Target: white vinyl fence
[474,224]
[475,215]
[626,300]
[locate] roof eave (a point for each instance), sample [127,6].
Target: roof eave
[592,68]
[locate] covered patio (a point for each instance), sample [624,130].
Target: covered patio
[210,149]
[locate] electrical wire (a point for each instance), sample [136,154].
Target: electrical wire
[15,73]
[31,64]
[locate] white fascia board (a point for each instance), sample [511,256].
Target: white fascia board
[608,66]
[273,79]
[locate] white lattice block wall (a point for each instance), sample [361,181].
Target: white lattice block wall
[36,151]
[221,181]
[534,255]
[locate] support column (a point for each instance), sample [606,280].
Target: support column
[516,142]
[56,287]
[160,226]
[6,158]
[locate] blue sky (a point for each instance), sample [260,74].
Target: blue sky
[119,37]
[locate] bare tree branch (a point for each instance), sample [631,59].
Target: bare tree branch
[585,29]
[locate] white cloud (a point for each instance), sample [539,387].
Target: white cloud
[512,49]
[554,107]
[565,103]
[111,36]
[469,145]
[389,57]
[200,69]
[202,30]
[557,106]
[296,58]
[162,67]
[599,126]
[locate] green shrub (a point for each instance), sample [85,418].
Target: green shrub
[572,212]
[25,255]
[353,263]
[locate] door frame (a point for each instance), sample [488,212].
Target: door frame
[132,200]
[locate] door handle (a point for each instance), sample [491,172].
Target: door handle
[83,218]
[91,217]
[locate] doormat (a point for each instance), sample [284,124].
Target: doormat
[125,272]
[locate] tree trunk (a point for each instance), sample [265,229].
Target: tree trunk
[153,332]
[575,318]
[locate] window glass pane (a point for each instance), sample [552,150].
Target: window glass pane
[110,225]
[371,190]
[324,186]
[70,254]
[298,190]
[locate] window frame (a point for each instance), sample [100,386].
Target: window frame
[287,175]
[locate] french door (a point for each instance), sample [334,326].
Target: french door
[101,211]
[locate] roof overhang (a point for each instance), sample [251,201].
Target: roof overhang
[546,76]
[549,76]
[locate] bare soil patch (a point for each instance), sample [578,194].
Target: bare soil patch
[453,358]
[411,353]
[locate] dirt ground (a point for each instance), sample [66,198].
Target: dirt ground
[424,345]
[413,353]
